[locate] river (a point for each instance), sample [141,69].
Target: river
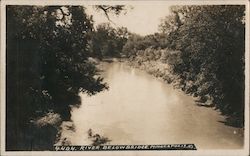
[140,109]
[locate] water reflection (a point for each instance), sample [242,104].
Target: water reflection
[139,109]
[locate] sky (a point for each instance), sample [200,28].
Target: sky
[140,19]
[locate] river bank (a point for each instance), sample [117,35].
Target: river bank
[162,71]
[168,114]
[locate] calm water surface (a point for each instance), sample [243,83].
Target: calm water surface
[140,109]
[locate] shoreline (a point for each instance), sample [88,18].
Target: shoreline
[162,72]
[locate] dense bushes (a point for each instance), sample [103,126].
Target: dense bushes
[212,45]
[47,66]
[136,42]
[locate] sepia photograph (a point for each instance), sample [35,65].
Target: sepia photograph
[82,77]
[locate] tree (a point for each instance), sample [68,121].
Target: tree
[136,43]
[113,9]
[47,51]
[108,41]
[211,41]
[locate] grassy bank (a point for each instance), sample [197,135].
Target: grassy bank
[161,69]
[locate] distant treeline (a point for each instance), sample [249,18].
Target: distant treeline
[107,41]
[48,65]
[205,48]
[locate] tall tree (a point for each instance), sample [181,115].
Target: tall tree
[47,50]
[212,44]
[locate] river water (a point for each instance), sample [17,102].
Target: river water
[140,109]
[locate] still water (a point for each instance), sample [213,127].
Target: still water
[140,109]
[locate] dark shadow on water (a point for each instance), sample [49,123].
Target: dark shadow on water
[66,142]
[233,122]
[100,70]
[108,60]
[204,105]
[97,139]
[70,128]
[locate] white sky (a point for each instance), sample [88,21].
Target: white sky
[142,19]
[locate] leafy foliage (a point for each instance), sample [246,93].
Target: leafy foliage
[211,41]
[107,41]
[47,64]
[204,47]
[136,42]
